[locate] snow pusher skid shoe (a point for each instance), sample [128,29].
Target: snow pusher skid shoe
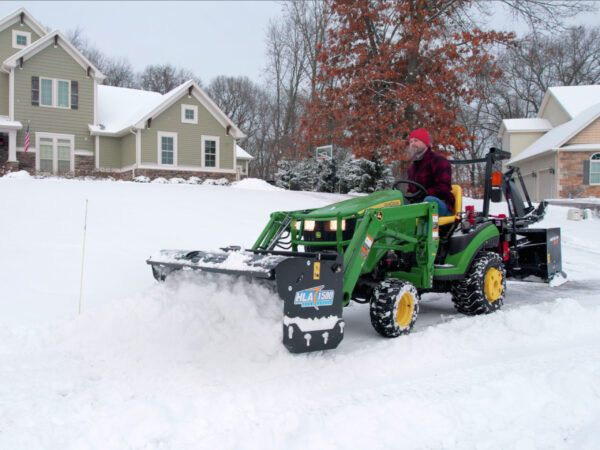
[310,285]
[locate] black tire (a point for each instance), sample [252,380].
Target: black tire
[483,288]
[394,307]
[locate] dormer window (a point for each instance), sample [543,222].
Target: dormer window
[189,114]
[21,39]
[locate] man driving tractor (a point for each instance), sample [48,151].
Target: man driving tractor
[431,170]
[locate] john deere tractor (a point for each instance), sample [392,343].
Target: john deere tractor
[386,249]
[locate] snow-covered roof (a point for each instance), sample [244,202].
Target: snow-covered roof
[556,137]
[119,108]
[27,18]
[240,153]
[5,123]
[42,43]
[524,125]
[574,99]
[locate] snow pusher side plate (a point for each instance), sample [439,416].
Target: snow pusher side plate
[312,292]
[310,285]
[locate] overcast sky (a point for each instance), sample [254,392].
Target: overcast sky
[209,38]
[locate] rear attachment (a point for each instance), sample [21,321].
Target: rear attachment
[310,285]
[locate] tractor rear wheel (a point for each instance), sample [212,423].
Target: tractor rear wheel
[394,307]
[482,290]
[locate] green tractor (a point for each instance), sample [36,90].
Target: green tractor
[386,249]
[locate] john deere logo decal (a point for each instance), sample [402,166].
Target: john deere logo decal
[314,297]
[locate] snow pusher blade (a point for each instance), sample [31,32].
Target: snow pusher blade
[310,285]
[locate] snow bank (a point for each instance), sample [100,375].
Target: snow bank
[255,184]
[21,174]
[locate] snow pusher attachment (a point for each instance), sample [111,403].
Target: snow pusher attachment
[310,285]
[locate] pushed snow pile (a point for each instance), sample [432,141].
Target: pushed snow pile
[255,184]
[21,174]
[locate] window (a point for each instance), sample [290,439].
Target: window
[189,114]
[20,39]
[55,93]
[595,169]
[63,94]
[210,153]
[167,148]
[55,152]
[46,92]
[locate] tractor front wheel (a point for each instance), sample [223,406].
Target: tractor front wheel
[482,290]
[394,307]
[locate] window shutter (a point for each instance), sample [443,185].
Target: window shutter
[74,95]
[35,91]
[586,172]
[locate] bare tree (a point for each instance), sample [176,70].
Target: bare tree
[163,78]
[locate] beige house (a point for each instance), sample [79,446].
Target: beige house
[50,93]
[558,152]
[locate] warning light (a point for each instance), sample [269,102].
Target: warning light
[497,179]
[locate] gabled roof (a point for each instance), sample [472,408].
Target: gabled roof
[120,109]
[172,96]
[42,43]
[573,99]
[240,153]
[524,126]
[555,138]
[27,18]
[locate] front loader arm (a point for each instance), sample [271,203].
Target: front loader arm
[403,228]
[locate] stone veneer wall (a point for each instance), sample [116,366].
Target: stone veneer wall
[571,176]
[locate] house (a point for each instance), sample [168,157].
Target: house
[52,96]
[558,152]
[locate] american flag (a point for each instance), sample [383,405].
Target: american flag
[27,137]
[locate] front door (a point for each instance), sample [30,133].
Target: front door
[55,153]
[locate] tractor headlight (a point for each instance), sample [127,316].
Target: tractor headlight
[309,225]
[332,225]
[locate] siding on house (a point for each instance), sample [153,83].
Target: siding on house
[590,135]
[55,62]
[555,113]
[110,152]
[520,141]
[128,150]
[6,39]
[4,92]
[189,136]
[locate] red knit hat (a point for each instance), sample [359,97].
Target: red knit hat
[422,135]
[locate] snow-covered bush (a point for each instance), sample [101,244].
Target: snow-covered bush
[194,180]
[160,180]
[20,174]
[176,180]
[141,179]
[218,182]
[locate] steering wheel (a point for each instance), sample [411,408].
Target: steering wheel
[412,197]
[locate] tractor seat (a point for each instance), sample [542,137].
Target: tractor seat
[457,192]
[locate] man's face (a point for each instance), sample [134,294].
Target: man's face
[416,147]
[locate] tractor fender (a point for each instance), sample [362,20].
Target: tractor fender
[463,248]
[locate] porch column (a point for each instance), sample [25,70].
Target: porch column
[12,146]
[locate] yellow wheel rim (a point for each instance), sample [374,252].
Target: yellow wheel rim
[404,311]
[493,284]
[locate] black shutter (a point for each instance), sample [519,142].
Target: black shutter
[74,95]
[586,172]
[35,91]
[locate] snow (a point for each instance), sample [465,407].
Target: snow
[197,361]
[533,124]
[255,184]
[576,99]
[240,153]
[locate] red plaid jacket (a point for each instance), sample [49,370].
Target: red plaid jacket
[434,172]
